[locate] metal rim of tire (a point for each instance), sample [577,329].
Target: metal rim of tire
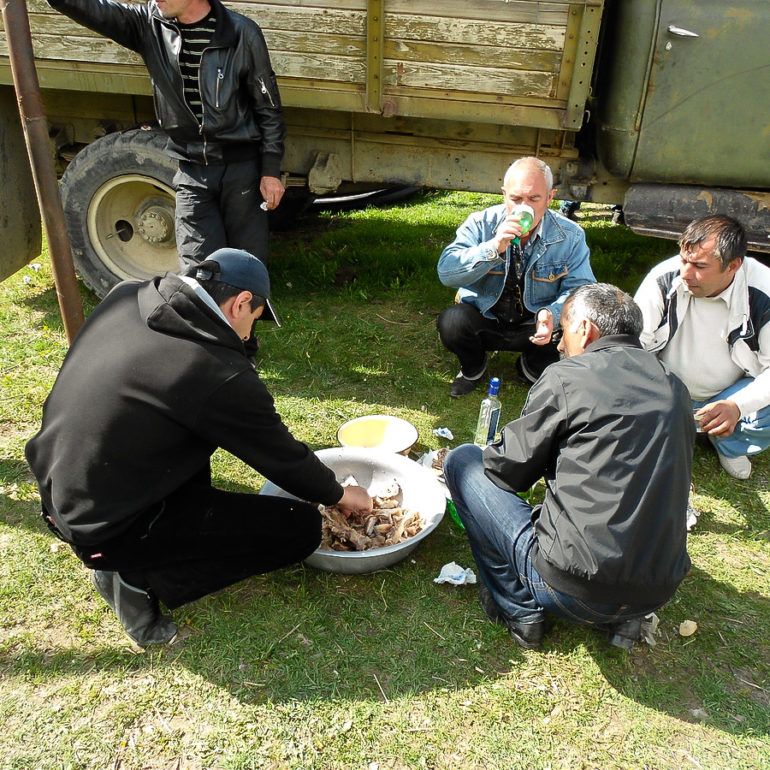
[130,221]
[118,199]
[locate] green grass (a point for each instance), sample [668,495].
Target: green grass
[304,669]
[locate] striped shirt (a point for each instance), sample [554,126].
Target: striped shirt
[195,38]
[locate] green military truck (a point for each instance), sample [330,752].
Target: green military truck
[661,105]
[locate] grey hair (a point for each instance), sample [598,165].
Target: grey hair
[607,307]
[729,233]
[534,163]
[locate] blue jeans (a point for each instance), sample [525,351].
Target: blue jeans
[501,536]
[751,434]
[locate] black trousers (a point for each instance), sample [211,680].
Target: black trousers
[469,335]
[218,206]
[202,539]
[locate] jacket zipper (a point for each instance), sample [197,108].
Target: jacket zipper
[220,78]
[184,101]
[265,92]
[203,103]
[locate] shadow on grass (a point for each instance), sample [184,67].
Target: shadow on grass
[303,635]
[717,677]
[751,515]
[46,302]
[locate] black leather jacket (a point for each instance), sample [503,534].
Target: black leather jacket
[241,106]
[612,433]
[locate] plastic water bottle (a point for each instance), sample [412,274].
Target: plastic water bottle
[526,218]
[489,415]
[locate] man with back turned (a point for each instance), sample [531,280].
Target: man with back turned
[611,432]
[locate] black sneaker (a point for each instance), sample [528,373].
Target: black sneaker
[526,635]
[462,386]
[624,634]
[137,610]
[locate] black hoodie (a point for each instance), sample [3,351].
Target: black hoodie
[154,382]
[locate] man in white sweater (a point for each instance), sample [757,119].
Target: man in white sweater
[707,317]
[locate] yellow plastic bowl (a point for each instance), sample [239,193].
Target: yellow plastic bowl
[378,431]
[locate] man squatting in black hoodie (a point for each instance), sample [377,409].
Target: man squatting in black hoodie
[123,455]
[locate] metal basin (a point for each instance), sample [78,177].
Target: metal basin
[421,492]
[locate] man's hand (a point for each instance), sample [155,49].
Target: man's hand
[543,328]
[272,191]
[719,418]
[508,230]
[355,499]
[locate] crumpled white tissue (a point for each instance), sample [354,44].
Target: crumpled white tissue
[456,575]
[443,433]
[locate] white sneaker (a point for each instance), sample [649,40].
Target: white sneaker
[692,514]
[737,467]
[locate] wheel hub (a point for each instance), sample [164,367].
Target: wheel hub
[155,224]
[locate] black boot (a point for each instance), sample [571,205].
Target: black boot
[526,635]
[137,610]
[491,610]
[624,634]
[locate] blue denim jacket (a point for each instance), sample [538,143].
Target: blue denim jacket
[555,264]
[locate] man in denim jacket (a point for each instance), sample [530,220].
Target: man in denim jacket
[511,285]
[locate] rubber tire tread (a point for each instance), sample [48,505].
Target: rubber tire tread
[136,151]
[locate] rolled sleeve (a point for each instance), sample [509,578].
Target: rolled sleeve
[470,256]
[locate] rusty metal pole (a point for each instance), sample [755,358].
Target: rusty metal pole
[33,121]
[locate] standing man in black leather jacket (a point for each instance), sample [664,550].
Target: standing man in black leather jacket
[217,100]
[611,431]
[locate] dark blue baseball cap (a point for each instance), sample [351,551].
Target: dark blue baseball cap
[242,270]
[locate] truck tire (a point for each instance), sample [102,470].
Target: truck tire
[118,199]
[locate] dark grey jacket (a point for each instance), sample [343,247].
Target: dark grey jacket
[241,105]
[612,433]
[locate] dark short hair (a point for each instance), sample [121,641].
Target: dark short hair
[220,291]
[609,308]
[729,233]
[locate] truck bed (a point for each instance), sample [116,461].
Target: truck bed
[522,62]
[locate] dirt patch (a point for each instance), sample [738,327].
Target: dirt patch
[746,684]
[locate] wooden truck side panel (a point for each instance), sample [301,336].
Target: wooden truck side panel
[368,85]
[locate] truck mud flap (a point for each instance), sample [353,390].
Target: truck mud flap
[665,210]
[19,214]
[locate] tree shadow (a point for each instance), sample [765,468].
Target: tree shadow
[393,634]
[45,302]
[15,509]
[302,635]
[720,676]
